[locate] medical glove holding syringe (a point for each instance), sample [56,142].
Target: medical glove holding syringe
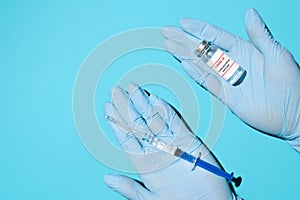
[175,151]
[154,136]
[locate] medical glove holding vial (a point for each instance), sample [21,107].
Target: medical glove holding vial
[267,96]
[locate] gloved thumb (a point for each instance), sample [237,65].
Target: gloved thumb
[127,187]
[258,32]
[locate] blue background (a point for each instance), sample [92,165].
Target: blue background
[42,45]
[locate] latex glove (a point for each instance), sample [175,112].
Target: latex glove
[268,98]
[162,176]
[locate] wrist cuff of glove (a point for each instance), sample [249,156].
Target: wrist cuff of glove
[236,197]
[295,143]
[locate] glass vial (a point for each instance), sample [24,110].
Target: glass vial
[221,63]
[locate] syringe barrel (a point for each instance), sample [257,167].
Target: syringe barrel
[170,149]
[203,164]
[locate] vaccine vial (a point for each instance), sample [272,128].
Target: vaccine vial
[216,59]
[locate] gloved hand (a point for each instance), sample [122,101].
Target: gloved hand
[269,97]
[163,176]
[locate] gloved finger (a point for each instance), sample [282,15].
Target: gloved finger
[135,148]
[257,31]
[180,44]
[183,48]
[211,82]
[158,116]
[166,112]
[193,65]
[181,51]
[174,33]
[140,101]
[209,32]
[179,133]
[124,107]
[198,74]
[127,187]
[127,141]
[129,114]
[260,35]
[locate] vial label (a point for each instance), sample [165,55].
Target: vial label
[223,64]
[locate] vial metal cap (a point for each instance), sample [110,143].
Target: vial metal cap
[201,47]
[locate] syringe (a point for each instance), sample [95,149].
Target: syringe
[175,151]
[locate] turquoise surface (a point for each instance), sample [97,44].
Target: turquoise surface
[42,46]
